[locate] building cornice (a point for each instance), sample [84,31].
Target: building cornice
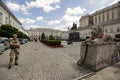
[84,28]
[114,21]
[10,13]
[116,5]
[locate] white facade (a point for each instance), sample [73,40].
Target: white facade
[84,32]
[35,33]
[64,35]
[7,17]
[107,18]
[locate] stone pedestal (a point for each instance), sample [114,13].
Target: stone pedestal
[74,36]
[99,55]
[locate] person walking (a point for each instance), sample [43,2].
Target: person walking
[14,45]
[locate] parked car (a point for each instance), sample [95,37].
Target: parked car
[22,41]
[2,47]
[26,40]
[5,42]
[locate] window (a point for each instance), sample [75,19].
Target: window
[118,29]
[99,18]
[6,20]
[119,12]
[112,15]
[95,19]
[89,32]
[0,17]
[103,17]
[111,30]
[106,30]
[107,16]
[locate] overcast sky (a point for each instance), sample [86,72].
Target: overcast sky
[56,14]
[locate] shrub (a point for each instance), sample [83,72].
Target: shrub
[51,37]
[52,42]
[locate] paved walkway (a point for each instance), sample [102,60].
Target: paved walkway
[39,62]
[109,73]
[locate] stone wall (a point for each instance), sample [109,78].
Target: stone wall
[99,55]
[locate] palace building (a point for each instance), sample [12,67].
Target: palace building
[35,33]
[7,17]
[108,18]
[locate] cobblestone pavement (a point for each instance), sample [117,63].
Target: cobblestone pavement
[72,50]
[109,73]
[40,62]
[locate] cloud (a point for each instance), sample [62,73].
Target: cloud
[53,22]
[115,1]
[69,18]
[62,28]
[32,26]
[104,1]
[91,1]
[71,15]
[97,9]
[75,11]
[27,20]
[96,1]
[30,21]
[46,5]
[39,18]
[17,7]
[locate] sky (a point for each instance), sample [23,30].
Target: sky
[56,14]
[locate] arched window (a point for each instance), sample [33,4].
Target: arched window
[1,17]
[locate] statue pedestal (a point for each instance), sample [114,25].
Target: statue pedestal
[99,55]
[74,36]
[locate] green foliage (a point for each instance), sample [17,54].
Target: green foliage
[117,36]
[8,31]
[43,37]
[22,35]
[51,37]
[52,42]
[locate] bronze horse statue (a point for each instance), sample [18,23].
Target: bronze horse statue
[74,27]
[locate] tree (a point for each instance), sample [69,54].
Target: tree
[43,37]
[51,37]
[7,30]
[22,35]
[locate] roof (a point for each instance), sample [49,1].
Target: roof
[108,7]
[103,9]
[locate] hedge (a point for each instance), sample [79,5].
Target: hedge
[52,42]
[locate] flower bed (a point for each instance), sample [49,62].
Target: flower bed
[52,43]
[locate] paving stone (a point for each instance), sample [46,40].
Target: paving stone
[40,62]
